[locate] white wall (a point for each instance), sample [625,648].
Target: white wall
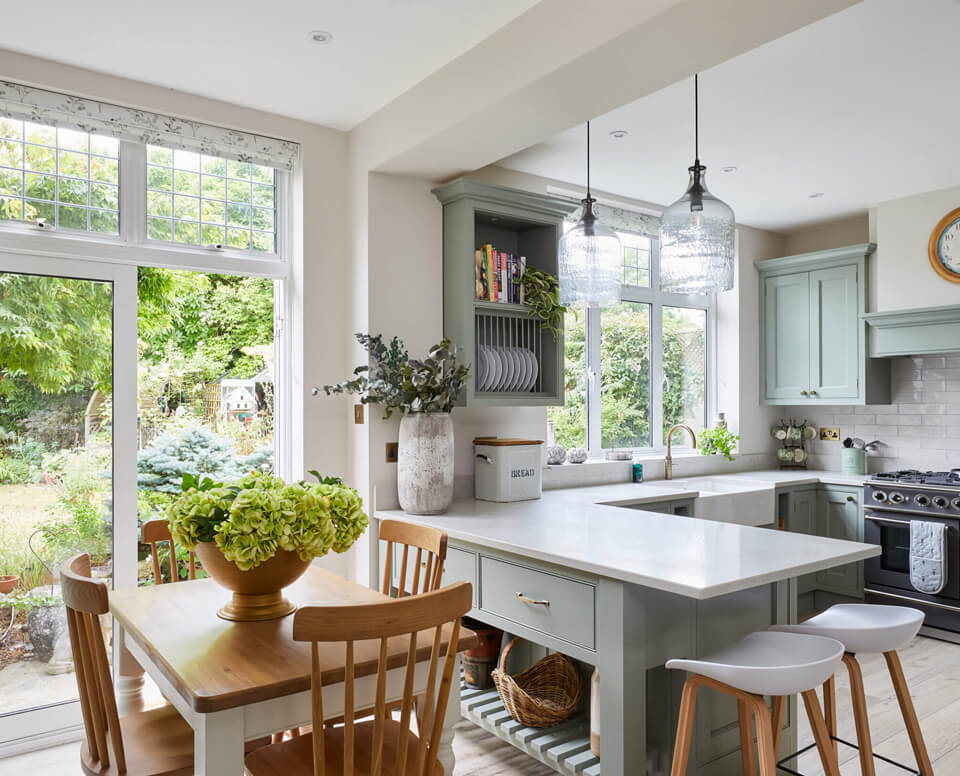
[828,234]
[904,277]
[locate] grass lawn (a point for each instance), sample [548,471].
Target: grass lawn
[22,509]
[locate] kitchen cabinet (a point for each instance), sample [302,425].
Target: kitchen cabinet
[798,512]
[839,516]
[813,346]
[832,511]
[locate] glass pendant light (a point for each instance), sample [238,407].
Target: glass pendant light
[590,257]
[697,232]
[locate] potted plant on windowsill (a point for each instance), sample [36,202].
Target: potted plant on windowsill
[424,391]
[258,535]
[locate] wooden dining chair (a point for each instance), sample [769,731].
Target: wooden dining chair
[431,546]
[157,742]
[155,531]
[381,746]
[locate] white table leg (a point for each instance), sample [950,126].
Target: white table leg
[129,677]
[445,748]
[218,743]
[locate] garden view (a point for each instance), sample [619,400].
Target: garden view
[205,391]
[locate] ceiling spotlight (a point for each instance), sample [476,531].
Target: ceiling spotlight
[815,195]
[618,133]
[320,36]
[729,168]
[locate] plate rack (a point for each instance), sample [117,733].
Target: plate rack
[515,346]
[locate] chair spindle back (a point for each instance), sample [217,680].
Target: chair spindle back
[85,600]
[431,547]
[155,531]
[434,613]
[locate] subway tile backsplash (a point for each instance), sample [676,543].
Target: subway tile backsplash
[919,429]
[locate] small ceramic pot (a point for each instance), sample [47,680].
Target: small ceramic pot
[8,583]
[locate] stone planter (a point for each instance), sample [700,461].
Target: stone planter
[45,625]
[425,463]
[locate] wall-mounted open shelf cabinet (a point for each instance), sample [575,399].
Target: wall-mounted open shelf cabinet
[524,224]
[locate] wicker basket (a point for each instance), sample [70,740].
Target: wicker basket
[547,693]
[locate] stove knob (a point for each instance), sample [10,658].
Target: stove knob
[956,503]
[879,495]
[921,499]
[896,498]
[940,501]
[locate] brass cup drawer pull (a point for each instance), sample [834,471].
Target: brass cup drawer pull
[528,600]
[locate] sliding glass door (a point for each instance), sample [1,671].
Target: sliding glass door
[68,441]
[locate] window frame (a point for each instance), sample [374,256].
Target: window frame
[656,299]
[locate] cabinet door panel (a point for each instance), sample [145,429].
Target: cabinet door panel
[802,518]
[787,336]
[838,517]
[834,338]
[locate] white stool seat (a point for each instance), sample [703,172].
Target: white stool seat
[863,627]
[770,663]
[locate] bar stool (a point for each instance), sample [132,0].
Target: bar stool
[869,628]
[765,663]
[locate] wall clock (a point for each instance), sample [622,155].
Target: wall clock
[944,247]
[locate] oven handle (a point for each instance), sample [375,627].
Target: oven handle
[912,600]
[886,520]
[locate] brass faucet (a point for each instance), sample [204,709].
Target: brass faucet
[668,461]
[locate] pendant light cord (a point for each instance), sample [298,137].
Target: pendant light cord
[588,160]
[696,120]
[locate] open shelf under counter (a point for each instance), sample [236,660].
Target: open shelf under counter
[564,747]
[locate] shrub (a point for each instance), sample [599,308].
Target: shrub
[195,450]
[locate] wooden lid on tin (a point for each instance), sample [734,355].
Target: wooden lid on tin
[501,442]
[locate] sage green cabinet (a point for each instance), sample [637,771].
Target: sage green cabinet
[521,223]
[839,516]
[813,347]
[799,511]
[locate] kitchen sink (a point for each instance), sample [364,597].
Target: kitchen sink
[729,499]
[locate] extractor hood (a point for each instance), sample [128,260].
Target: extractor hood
[915,332]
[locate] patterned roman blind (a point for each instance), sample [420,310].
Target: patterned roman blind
[622,220]
[41,106]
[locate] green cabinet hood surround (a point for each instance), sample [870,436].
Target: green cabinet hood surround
[915,332]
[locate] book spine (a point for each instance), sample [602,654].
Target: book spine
[480,291]
[503,276]
[491,275]
[523,269]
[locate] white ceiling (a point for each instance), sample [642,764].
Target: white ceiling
[259,54]
[861,106]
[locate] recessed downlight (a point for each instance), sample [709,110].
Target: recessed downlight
[729,168]
[618,133]
[815,195]
[321,36]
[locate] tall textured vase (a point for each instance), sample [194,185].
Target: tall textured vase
[425,463]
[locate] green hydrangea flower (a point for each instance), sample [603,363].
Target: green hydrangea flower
[350,520]
[195,514]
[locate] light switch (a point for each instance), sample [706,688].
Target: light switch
[829,434]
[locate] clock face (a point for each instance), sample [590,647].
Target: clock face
[948,246]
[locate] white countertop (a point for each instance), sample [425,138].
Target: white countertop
[578,528]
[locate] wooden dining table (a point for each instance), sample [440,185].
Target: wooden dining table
[236,681]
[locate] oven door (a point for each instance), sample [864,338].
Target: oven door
[891,531]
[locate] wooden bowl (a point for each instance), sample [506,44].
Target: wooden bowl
[258,592]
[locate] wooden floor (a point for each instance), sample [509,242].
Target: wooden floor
[932,669]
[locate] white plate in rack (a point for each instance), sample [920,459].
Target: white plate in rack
[493,368]
[481,369]
[517,374]
[534,370]
[509,369]
[524,369]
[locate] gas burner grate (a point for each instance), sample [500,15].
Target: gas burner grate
[917,477]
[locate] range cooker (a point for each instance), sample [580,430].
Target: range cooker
[891,501]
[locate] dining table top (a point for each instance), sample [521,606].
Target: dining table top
[218,664]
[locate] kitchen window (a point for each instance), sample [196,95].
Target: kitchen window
[636,368]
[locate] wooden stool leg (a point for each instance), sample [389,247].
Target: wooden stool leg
[909,713]
[779,704]
[830,710]
[860,715]
[765,738]
[827,755]
[746,739]
[681,750]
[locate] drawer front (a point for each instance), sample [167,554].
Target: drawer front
[570,614]
[461,566]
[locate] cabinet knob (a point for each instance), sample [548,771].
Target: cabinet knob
[813,393]
[851,499]
[803,393]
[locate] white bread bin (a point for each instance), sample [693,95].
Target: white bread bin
[507,469]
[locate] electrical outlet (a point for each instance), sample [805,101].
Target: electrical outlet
[829,434]
[358,414]
[391,452]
